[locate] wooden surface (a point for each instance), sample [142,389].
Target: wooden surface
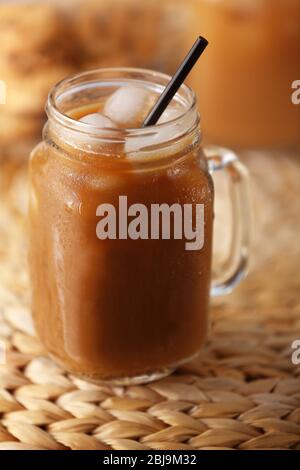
[242,392]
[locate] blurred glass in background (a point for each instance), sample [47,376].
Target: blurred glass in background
[244,80]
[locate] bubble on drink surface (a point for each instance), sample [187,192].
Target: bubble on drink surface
[129,105]
[98,120]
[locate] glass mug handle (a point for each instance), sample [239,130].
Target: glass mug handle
[235,267]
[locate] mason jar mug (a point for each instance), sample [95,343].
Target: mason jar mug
[121,230]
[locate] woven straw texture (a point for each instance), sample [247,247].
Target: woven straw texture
[243,392]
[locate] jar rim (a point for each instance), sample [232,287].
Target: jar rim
[188,121]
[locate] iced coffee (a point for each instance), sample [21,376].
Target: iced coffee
[111,308]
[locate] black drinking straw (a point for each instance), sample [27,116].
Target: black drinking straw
[176,81]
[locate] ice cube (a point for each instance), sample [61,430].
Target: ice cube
[98,120]
[128,106]
[144,143]
[90,142]
[170,113]
[160,140]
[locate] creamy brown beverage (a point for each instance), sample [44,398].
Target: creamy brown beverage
[114,308]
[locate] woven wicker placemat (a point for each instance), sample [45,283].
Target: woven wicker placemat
[243,392]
